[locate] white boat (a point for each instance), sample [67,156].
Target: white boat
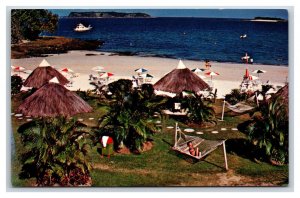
[81,28]
[243,36]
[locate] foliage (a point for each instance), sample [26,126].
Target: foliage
[29,23]
[235,96]
[268,130]
[129,112]
[55,152]
[16,84]
[199,109]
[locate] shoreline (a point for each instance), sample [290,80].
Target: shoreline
[230,77]
[142,54]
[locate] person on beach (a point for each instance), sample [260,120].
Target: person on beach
[192,150]
[207,64]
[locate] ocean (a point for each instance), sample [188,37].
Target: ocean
[186,38]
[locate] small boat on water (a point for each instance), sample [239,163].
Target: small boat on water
[81,28]
[243,36]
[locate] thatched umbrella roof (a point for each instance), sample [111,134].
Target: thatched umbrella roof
[181,79]
[53,100]
[42,74]
[283,93]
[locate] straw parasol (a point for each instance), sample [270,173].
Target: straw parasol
[180,79]
[53,100]
[42,74]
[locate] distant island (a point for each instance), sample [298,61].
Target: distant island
[268,19]
[107,15]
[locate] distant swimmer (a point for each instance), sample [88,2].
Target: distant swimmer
[243,36]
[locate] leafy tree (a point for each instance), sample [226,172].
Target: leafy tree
[29,23]
[268,130]
[129,112]
[16,84]
[55,152]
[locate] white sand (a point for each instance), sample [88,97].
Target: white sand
[230,76]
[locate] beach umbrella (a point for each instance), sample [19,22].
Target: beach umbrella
[68,70]
[17,68]
[98,68]
[211,74]
[141,70]
[42,74]
[106,75]
[53,100]
[147,76]
[197,70]
[259,71]
[180,79]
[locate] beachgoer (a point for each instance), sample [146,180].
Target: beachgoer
[192,150]
[207,64]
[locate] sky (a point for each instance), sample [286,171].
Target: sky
[210,13]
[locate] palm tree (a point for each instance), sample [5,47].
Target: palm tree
[55,152]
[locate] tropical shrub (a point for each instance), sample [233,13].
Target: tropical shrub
[268,130]
[16,84]
[128,116]
[199,109]
[55,152]
[236,96]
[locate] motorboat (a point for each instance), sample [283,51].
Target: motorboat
[243,36]
[81,28]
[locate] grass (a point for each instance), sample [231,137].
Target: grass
[161,166]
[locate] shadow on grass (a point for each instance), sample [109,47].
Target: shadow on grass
[243,148]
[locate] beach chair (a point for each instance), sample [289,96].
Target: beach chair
[205,146]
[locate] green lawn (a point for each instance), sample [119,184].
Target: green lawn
[161,166]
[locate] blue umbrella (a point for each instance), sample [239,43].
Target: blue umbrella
[141,70]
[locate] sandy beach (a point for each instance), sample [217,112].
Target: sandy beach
[230,77]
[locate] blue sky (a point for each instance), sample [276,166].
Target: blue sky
[214,13]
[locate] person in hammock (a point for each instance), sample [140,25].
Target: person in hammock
[193,151]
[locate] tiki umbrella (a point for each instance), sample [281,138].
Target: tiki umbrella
[211,74]
[42,74]
[259,71]
[53,100]
[180,79]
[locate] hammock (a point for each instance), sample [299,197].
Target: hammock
[240,107]
[205,146]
